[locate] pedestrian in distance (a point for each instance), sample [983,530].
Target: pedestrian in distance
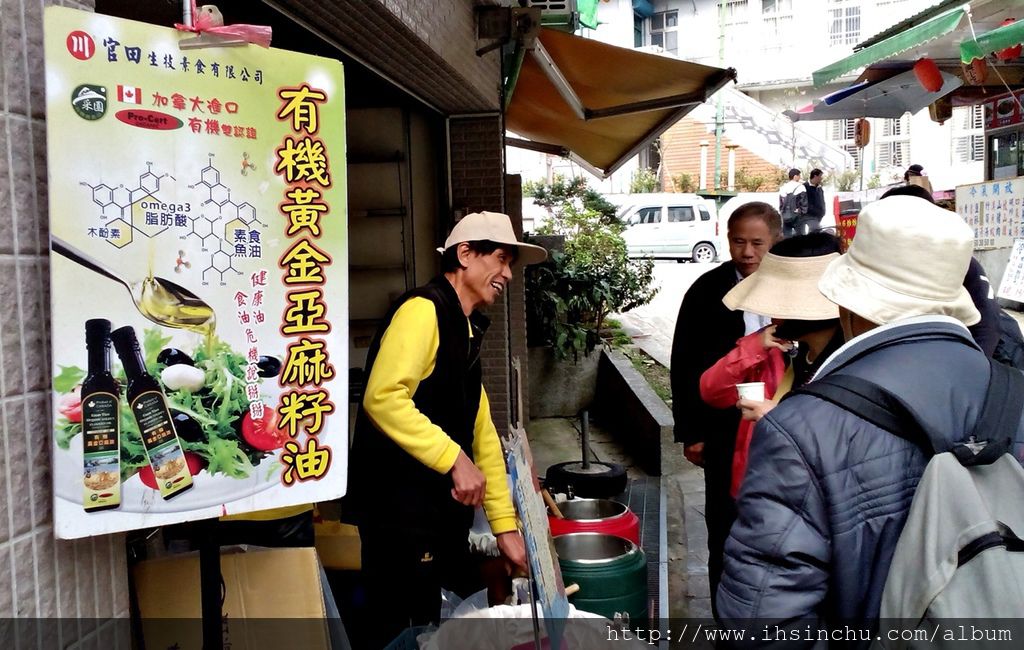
[792,203]
[705,331]
[425,451]
[815,204]
[915,176]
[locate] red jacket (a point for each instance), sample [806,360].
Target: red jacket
[748,361]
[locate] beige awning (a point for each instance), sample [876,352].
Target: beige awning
[599,103]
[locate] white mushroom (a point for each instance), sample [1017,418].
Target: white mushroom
[184,377]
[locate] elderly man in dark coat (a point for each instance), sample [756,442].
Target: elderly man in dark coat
[706,330]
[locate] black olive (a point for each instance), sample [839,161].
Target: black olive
[173,357]
[269,366]
[187,428]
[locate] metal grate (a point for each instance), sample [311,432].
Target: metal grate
[643,497]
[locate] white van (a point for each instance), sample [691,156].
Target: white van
[672,226]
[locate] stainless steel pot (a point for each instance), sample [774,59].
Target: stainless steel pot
[593,548]
[592,509]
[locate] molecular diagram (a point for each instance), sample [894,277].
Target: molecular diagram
[225,228]
[120,202]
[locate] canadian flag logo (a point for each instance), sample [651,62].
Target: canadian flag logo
[129,94]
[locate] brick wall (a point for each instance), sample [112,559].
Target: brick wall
[680,153]
[428,46]
[39,576]
[477,176]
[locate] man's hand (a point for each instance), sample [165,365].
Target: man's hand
[513,549]
[469,481]
[751,410]
[769,341]
[695,453]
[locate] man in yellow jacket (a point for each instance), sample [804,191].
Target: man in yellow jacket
[425,451]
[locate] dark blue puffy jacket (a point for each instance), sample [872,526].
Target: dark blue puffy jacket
[826,493]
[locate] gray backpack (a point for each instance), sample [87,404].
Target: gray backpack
[961,552]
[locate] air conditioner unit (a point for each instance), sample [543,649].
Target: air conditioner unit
[558,14]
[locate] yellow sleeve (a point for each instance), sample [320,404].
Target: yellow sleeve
[490,458]
[407,353]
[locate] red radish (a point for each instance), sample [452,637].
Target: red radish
[70,404]
[263,434]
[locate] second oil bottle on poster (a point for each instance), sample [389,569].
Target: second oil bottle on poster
[149,407]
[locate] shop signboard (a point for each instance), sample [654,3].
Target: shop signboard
[1003,110]
[1012,286]
[198,233]
[995,211]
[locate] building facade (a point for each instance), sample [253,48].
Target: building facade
[776,45]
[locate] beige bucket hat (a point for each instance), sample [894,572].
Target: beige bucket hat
[785,288]
[909,258]
[495,227]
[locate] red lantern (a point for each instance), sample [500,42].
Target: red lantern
[976,73]
[928,75]
[1009,53]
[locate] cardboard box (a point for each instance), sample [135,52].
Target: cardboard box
[338,545]
[271,598]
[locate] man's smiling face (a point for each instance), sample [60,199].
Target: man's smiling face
[487,275]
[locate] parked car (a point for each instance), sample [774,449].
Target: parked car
[672,226]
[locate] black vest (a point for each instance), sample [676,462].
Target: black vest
[387,486]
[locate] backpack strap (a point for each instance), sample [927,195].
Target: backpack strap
[1000,413]
[1000,417]
[871,402]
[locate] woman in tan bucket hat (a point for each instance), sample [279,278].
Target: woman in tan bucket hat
[804,332]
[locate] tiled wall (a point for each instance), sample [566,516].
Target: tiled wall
[39,577]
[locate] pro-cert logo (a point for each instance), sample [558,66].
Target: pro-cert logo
[80,45]
[89,101]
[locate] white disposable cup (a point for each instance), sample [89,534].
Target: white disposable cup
[753,391]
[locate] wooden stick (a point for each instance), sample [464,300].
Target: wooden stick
[548,499]
[571,589]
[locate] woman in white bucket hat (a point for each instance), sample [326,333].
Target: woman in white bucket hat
[804,331]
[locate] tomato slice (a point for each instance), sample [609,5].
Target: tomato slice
[195,465]
[263,434]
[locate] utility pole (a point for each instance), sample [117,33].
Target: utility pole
[719,107]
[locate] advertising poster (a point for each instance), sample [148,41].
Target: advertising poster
[994,210]
[540,547]
[198,274]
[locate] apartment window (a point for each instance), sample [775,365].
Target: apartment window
[777,18]
[665,31]
[842,134]
[638,30]
[736,26]
[650,156]
[968,134]
[892,148]
[844,22]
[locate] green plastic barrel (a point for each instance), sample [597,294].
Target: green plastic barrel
[611,573]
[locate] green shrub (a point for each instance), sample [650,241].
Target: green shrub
[644,181]
[569,297]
